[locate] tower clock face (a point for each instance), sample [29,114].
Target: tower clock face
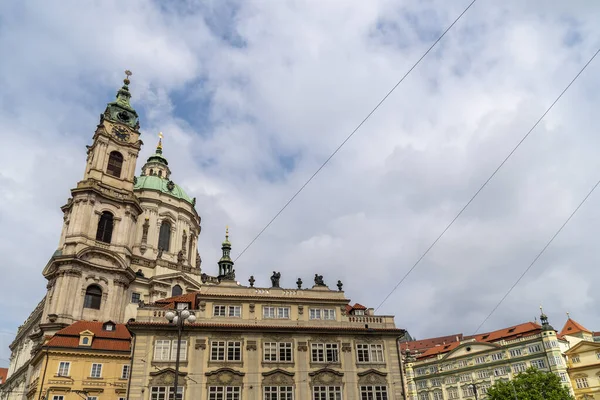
[121,133]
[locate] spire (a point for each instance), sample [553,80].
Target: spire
[544,320]
[121,110]
[159,145]
[226,271]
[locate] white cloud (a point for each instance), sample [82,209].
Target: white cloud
[253,96]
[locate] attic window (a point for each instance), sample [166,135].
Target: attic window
[485,337]
[511,330]
[109,326]
[85,341]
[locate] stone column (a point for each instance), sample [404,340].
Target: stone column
[302,379]
[253,367]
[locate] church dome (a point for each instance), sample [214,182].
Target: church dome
[162,185]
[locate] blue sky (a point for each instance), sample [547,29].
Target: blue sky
[253,96]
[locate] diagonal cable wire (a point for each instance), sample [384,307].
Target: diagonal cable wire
[357,127]
[489,179]
[538,256]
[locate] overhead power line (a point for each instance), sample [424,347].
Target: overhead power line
[537,257]
[488,179]
[356,129]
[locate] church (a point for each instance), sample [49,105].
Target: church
[128,250]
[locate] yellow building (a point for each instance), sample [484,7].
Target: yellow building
[584,369]
[86,360]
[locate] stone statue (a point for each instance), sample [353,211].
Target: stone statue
[184,240]
[299,283]
[180,257]
[160,251]
[140,273]
[275,279]
[198,260]
[339,285]
[251,280]
[319,280]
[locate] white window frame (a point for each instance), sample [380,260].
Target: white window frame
[224,393]
[480,360]
[167,351]
[437,395]
[582,383]
[276,349]
[373,392]
[283,313]
[96,370]
[516,352]
[223,348]
[539,363]
[166,393]
[483,374]
[575,359]
[370,353]
[497,356]
[436,382]
[466,377]
[519,367]
[330,392]
[234,311]
[278,392]
[67,364]
[534,348]
[125,369]
[452,393]
[329,352]
[422,385]
[219,310]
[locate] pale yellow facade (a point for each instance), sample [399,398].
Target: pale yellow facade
[584,369]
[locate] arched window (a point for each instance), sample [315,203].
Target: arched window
[93,297]
[85,340]
[105,227]
[176,291]
[160,173]
[115,164]
[164,236]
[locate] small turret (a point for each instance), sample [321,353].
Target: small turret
[544,320]
[226,271]
[121,110]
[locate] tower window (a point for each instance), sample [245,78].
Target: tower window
[93,297]
[105,227]
[176,291]
[115,164]
[164,236]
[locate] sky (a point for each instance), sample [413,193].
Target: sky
[253,96]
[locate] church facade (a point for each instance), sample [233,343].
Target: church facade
[125,239]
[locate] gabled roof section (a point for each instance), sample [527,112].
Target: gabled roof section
[170,302]
[582,346]
[425,344]
[118,339]
[572,327]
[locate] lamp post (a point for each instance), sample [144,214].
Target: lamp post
[178,317]
[474,387]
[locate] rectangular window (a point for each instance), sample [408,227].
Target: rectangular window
[534,348]
[581,383]
[277,352]
[329,314]
[369,353]
[217,351]
[63,368]
[283,312]
[135,298]
[58,398]
[480,360]
[556,360]
[327,393]
[183,306]
[436,382]
[182,350]
[422,384]
[324,352]
[468,391]
[160,393]
[520,367]
[373,393]
[482,374]
[424,396]
[225,350]
[96,371]
[538,364]
[516,352]
[451,379]
[551,344]
[497,356]
[219,311]
[276,312]
[452,394]
[125,372]
[315,313]
[433,369]
[162,350]
[575,359]
[438,396]
[235,311]
[462,363]
[465,378]
[268,312]
[563,376]
[499,371]
[278,393]
[224,393]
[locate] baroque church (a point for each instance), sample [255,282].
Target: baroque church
[125,239]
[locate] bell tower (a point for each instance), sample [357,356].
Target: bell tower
[89,273]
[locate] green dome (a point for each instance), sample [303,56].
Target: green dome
[162,185]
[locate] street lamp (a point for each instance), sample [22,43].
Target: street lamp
[179,317]
[474,387]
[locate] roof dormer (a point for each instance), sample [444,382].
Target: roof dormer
[86,338]
[109,326]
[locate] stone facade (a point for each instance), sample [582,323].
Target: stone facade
[249,341]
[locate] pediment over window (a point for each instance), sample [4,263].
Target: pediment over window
[372,377]
[326,376]
[225,377]
[278,377]
[471,348]
[165,377]
[101,257]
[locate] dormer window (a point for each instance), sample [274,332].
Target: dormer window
[109,326]
[359,312]
[85,341]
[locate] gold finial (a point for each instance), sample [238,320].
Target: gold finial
[568,316]
[159,146]
[128,73]
[227,231]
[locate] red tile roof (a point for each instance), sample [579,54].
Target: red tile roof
[3,375]
[358,306]
[169,302]
[513,332]
[118,339]
[422,345]
[571,327]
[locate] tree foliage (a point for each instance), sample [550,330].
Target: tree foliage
[532,384]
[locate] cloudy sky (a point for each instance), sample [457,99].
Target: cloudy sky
[252,96]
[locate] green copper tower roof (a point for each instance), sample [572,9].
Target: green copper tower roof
[121,110]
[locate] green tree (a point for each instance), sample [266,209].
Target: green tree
[532,384]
